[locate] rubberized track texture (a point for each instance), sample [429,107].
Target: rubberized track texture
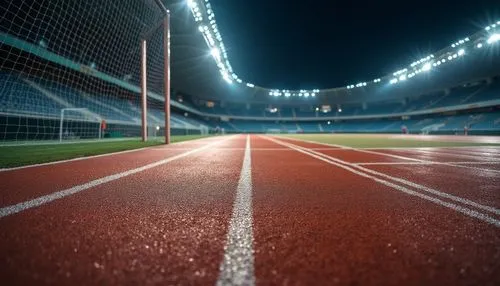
[251,209]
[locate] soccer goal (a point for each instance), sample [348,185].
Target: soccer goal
[66,66]
[79,123]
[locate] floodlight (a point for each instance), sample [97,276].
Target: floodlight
[450,58]
[493,38]
[461,52]
[340,109]
[394,80]
[215,52]
[157,127]
[329,122]
[317,108]
[402,77]
[479,45]
[287,94]
[313,94]
[427,67]
[250,85]
[227,79]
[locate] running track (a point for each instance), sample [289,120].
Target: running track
[255,210]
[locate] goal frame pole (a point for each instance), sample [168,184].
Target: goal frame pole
[144,92]
[166,66]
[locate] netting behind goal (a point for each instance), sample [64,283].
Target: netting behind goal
[83,57]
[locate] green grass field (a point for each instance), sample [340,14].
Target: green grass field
[387,141]
[13,156]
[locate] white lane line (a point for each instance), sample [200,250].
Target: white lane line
[455,207]
[425,163]
[97,156]
[391,155]
[237,267]
[12,209]
[437,148]
[457,154]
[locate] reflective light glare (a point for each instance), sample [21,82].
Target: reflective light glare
[215,52]
[493,38]
[427,67]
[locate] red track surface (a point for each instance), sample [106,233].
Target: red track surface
[314,222]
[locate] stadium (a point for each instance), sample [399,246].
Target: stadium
[133,152]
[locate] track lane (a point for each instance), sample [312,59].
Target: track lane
[165,225]
[28,183]
[319,224]
[478,185]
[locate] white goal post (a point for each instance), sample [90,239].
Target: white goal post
[83,111]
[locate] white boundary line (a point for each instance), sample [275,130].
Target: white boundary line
[96,156]
[494,147]
[237,267]
[388,155]
[352,168]
[456,155]
[425,163]
[12,209]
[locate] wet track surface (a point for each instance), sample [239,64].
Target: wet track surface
[320,217]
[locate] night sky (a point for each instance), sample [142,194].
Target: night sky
[325,43]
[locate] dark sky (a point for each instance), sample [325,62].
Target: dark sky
[327,43]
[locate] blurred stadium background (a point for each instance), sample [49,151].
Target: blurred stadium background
[70,70]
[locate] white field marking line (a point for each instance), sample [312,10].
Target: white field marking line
[237,267]
[437,147]
[12,209]
[424,163]
[95,156]
[449,154]
[359,171]
[391,155]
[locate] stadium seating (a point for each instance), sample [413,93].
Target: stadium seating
[36,97]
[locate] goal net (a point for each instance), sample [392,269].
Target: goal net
[78,55]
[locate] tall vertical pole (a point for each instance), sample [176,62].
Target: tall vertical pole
[144,92]
[166,53]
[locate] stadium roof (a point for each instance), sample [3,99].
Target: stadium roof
[198,43]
